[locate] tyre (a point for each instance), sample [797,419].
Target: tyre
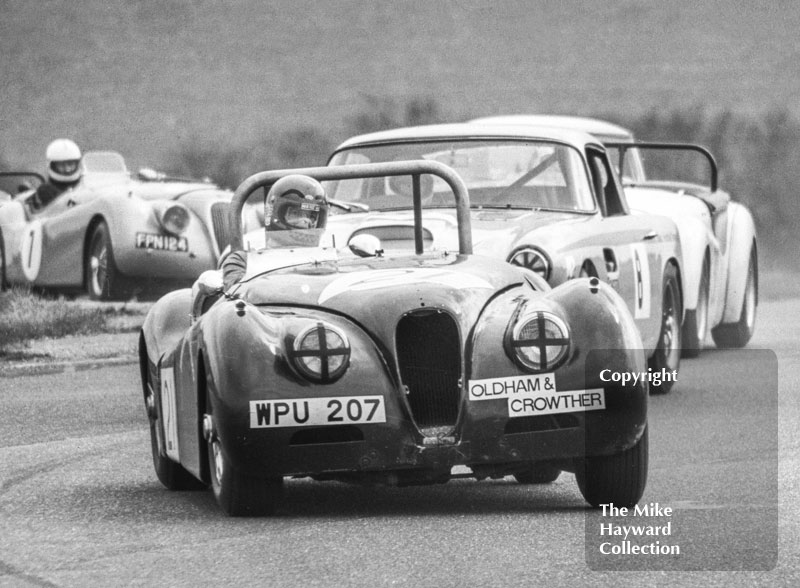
[237,493]
[171,474]
[619,478]
[735,335]
[667,355]
[695,325]
[103,280]
[542,473]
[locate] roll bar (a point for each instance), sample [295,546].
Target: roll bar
[414,168]
[624,146]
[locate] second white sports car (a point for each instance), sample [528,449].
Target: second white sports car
[718,236]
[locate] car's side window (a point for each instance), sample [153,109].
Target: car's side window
[605,184]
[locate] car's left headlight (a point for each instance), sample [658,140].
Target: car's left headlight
[538,341]
[174,218]
[321,352]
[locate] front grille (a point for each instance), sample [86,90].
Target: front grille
[219,221]
[535,424]
[429,354]
[322,435]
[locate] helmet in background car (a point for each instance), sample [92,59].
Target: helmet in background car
[63,161]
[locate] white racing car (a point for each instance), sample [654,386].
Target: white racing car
[718,236]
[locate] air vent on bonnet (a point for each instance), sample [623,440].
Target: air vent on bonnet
[429,355]
[396,236]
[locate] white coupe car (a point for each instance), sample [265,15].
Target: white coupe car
[718,236]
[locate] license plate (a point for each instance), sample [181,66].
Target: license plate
[306,412]
[161,242]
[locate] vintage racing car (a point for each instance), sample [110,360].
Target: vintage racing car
[115,233]
[718,236]
[390,367]
[542,198]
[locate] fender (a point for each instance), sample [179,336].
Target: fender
[12,223]
[166,322]
[742,239]
[127,215]
[695,240]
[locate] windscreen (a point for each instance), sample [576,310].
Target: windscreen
[498,174]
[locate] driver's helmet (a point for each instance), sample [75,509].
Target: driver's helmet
[63,161]
[296,202]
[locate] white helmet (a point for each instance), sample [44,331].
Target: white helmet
[63,161]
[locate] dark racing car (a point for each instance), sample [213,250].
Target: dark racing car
[405,368]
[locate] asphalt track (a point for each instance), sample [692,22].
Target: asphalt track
[81,505]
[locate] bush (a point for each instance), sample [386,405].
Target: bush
[25,316]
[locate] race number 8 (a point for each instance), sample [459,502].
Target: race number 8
[641,284]
[31,250]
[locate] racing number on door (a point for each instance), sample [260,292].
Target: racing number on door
[31,250]
[641,283]
[169,412]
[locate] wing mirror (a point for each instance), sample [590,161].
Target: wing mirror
[365,245]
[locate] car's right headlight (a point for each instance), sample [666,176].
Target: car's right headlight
[321,352]
[173,217]
[538,341]
[532,258]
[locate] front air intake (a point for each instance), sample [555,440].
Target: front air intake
[429,354]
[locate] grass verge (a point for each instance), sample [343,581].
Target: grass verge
[26,316]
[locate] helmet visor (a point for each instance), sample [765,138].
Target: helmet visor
[304,216]
[65,168]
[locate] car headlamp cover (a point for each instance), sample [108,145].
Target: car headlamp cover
[175,218]
[532,258]
[538,341]
[321,352]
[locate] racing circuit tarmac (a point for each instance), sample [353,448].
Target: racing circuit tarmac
[81,505]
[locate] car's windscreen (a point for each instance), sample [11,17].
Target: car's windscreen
[632,170]
[498,173]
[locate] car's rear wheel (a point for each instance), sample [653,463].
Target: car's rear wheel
[542,473]
[667,355]
[237,493]
[619,478]
[103,280]
[171,474]
[738,334]
[695,325]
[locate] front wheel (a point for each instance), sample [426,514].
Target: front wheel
[695,326]
[619,478]
[667,355]
[738,334]
[171,474]
[237,493]
[103,280]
